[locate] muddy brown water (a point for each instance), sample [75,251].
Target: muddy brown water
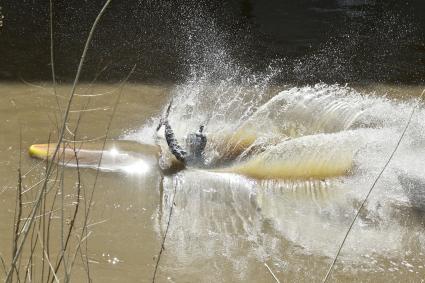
[223,227]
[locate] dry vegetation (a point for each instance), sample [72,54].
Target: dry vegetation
[52,221]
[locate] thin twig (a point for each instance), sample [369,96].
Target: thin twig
[33,245]
[45,214]
[271,272]
[32,168]
[87,140]
[96,223]
[3,264]
[52,54]
[43,220]
[47,241]
[28,266]
[62,207]
[158,258]
[91,109]
[34,185]
[71,225]
[43,223]
[18,208]
[47,258]
[78,248]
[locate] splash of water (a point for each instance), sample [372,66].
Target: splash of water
[311,128]
[271,132]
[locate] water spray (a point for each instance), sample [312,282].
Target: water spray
[372,187]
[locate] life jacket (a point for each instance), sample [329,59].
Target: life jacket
[195,146]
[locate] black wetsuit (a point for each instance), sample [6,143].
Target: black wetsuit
[196,145]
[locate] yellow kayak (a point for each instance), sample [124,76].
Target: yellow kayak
[300,158]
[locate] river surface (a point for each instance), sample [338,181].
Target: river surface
[290,156]
[226,227]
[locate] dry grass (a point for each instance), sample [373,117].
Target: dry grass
[52,220]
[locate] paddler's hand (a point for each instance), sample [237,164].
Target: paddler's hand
[164,119]
[161,122]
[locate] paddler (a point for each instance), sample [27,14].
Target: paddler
[195,143]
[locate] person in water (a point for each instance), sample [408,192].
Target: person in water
[195,145]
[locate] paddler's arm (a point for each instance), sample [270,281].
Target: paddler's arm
[174,147]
